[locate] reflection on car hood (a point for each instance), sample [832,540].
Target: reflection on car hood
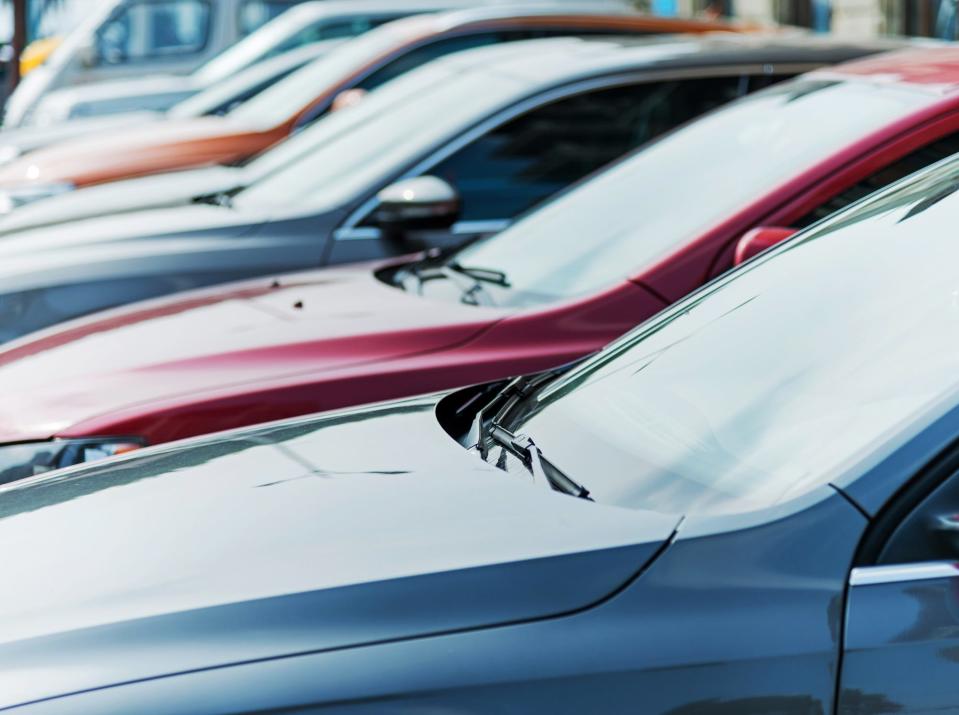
[135,151]
[352,528]
[28,139]
[221,341]
[56,254]
[124,197]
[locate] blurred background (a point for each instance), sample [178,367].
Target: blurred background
[125,30]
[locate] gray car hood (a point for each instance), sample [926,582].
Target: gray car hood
[352,528]
[123,197]
[90,249]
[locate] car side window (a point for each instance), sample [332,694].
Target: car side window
[152,29]
[929,531]
[256,13]
[918,159]
[332,30]
[427,53]
[530,158]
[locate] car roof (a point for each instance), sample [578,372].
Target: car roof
[309,11]
[542,61]
[927,68]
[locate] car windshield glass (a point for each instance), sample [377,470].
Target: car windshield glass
[286,98]
[787,374]
[346,152]
[248,50]
[676,188]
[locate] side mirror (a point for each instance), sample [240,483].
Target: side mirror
[423,202]
[758,240]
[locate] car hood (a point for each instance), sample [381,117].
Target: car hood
[15,142]
[204,343]
[352,528]
[136,151]
[58,255]
[124,197]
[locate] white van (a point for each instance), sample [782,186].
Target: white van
[130,38]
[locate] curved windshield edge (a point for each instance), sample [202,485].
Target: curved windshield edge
[770,382]
[766,139]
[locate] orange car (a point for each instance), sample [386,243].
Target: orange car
[301,98]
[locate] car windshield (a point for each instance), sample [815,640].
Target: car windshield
[345,153]
[792,371]
[676,188]
[286,98]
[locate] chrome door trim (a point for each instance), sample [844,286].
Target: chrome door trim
[900,573]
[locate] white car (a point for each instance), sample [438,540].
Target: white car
[132,38]
[303,25]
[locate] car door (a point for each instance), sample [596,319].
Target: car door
[901,641]
[513,162]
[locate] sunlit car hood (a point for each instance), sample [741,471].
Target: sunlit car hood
[14,142]
[135,151]
[200,343]
[124,197]
[353,528]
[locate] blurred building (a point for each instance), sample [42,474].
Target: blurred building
[853,18]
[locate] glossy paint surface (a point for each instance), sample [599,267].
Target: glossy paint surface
[204,363]
[902,647]
[300,540]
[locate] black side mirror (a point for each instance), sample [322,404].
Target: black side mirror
[420,203]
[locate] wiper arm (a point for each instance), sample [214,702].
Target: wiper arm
[454,272]
[545,472]
[481,275]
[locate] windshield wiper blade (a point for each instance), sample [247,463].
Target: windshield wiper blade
[545,472]
[481,275]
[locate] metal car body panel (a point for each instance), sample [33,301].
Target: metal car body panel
[208,140]
[763,632]
[101,261]
[301,583]
[330,352]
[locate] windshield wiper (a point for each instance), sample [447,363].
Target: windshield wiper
[544,472]
[454,271]
[483,435]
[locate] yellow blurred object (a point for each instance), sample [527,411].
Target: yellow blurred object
[37,52]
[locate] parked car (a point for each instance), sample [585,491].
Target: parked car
[220,99]
[130,38]
[498,130]
[748,505]
[557,285]
[304,24]
[365,63]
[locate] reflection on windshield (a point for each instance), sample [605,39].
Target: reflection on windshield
[293,94]
[346,152]
[769,383]
[675,189]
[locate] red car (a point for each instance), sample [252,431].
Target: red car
[558,284]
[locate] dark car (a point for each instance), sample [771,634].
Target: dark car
[748,505]
[497,130]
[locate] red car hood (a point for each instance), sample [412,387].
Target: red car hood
[212,340]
